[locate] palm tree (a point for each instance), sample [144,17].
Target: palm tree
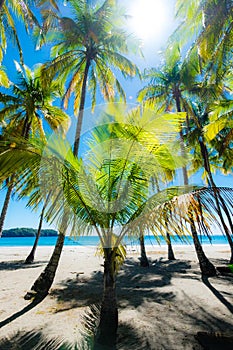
[11,10]
[109,194]
[90,49]
[167,86]
[200,118]
[23,111]
[207,25]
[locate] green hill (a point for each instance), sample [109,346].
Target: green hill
[27,232]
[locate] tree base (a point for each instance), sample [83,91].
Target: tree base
[40,288]
[208,270]
[29,260]
[144,262]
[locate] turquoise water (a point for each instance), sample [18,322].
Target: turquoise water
[93,241]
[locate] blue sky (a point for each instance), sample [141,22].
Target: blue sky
[17,215]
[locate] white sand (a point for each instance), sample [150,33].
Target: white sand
[159,308]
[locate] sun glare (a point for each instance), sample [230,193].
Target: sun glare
[148,17]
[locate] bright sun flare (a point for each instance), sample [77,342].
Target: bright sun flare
[148,18]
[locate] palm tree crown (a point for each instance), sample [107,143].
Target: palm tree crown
[89,48]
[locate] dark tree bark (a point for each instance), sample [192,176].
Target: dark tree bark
[81,109]
[107,330]
[43,283]
[171,255]
[144,262]
[5,206]
[218,198]
[30,258]
[207,268]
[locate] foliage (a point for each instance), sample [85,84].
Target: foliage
[90,42]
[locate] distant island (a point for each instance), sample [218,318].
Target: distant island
[28,232]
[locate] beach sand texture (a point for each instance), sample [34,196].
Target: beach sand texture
[160,307]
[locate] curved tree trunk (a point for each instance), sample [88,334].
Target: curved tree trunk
[144,262]
[30,258]
[171,255]
[207,268]
[45,280]
[218,198]
[107,330]
[5,206]
[43,283]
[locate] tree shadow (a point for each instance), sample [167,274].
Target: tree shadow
[21,312]
[217,294]
[20,264]
[177,328]
[34,340]
[134,285]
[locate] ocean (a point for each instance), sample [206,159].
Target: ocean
[94,241]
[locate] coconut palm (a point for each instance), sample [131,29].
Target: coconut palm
[10,10]
[207,25]
[197,135]
[168,86]
[109,194]
[87,49]
[91,47]
[24,108]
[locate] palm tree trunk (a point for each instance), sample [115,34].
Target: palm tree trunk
[5,206]
[107,330]
[144,262]
[45,280]
[30,258]
[218,198]
[43,283]
[171,255]
[207,268]
[81,109]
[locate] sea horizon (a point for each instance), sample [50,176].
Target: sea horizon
[94,241]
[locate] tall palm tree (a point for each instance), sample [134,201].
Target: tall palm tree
[109,194]
[90,47]
[167,87]
[24,108]
[200,118]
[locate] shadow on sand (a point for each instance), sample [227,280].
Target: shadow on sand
[134,285]
[19,265]
[21,312]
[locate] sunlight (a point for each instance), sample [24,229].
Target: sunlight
[148,18]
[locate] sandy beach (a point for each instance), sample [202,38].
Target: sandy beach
[160,307]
